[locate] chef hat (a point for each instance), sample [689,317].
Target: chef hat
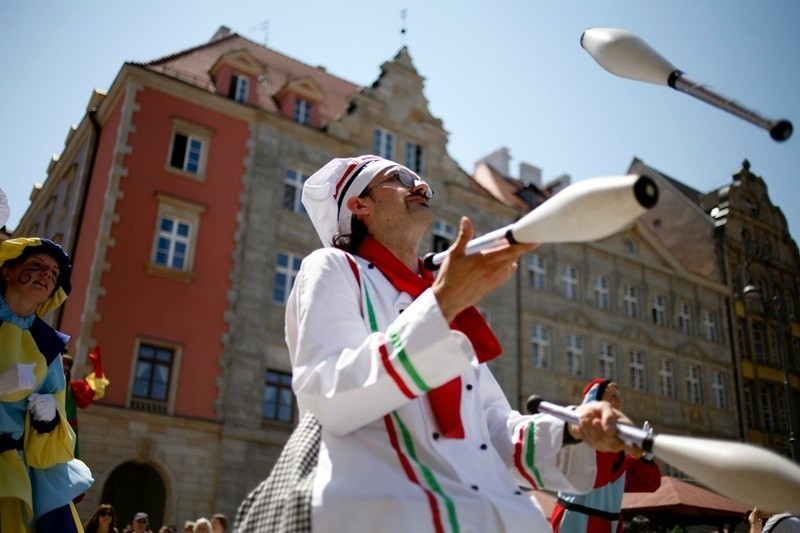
[326,192]
[594,390]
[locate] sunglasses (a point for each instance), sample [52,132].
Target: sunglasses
[405,178]
[142,520]
[107,512]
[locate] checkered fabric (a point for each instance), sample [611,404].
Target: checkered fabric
[282,502]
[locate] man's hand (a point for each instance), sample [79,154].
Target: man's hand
[18,377]
[465,279]
[597,426]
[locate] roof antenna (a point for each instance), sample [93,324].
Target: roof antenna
[403,25]
[265,27]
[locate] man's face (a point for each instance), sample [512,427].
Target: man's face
[612,396]
[398,205]
[34,279]
[140,525]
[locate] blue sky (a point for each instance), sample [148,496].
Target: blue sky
[506,73]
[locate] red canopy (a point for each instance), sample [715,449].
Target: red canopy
[684,503]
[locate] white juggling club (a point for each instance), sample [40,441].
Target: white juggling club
[585,211]
[743,472]
[622,53]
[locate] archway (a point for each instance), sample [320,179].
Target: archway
[134,487]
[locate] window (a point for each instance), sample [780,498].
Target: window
[774,354]
[173,242]
[152,376]
[666,377]
[175,239]
[767,416]
[569,282]
[693,389]
[443,235]
[629,246]
[302,111]
[189,148]
[685,318]
[606,361]
[759,353]
[286,270]
[601,292]
[638,372]
[630,298]
[239,88]
[414,158]
[383,144]
[293,181]
[540,346]
[747,388]
[658,310]
[710,326]
[537,272]
[278,404]
[575,356]
[718,390]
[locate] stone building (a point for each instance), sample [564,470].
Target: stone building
[178,197]
[762,267]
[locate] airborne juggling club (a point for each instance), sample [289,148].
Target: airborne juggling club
[589,210]
[742,472]
[626,55]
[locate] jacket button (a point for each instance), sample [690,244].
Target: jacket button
[474,487]
[483,446]
[469,387]
[370,265]
[435,436]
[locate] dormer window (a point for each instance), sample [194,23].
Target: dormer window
[234,74]
[301,101]
[302,111]
[239,88]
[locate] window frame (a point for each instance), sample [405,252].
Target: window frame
[279,387]
[166,406]
[541,347]
[184,211]
[383,143]
[575,351]
[192,132]
[294,182]
[290,270]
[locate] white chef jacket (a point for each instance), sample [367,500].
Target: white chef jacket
[356,345]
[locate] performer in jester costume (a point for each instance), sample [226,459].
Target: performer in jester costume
[40,475]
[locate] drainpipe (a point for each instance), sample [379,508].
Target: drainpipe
[96,129]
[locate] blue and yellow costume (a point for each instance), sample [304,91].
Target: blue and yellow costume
[39,476]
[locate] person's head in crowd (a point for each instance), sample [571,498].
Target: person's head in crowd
[219,522]
[202,525]
[140,522]
[103,519]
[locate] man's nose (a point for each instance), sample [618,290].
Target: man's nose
[427,192]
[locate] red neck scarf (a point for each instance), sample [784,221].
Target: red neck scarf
[446,399]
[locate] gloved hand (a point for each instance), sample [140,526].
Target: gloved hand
[17,377]
[649,430]
[42,407]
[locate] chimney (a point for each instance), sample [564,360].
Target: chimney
[499,160]
[530,174]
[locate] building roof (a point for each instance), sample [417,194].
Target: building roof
[278,70]
[680,497]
